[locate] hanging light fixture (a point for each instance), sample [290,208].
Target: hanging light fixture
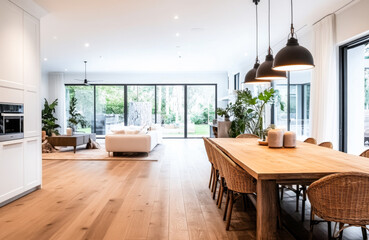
[265,71]
[250,76]
[293,57]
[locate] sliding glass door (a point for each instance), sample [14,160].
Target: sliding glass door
[141,105]
[109,108]
[170,109]
[181,110]
[354,125]
[295,96]
[84,105]
[200,109]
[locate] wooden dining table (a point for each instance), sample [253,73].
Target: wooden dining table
[270,166]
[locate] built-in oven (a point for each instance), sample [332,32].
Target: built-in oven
[11,121]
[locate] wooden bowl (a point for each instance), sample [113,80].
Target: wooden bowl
[262,142]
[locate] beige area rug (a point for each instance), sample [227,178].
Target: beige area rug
[83,154]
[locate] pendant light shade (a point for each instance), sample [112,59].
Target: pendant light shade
[293,57]
[265,71]
[250,76]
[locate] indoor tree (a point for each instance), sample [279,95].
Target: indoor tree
[49,124]
[75,117]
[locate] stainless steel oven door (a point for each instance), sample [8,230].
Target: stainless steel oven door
[12,126]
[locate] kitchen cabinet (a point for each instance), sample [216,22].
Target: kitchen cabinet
[32,162]
[11,169]
[11,43]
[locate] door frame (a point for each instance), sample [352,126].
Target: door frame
[342,51]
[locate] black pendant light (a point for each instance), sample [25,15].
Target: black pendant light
[265,71]
[250,76]
[293,57]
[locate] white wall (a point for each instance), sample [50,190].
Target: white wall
[353,22]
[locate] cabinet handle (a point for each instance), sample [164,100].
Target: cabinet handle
[12,143]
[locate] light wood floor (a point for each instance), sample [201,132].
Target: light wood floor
[168,199]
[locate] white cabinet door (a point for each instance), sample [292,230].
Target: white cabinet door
[11,42]
[32,162]
[32,71]
[11,169]
[32,114]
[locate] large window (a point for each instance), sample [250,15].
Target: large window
[109,108]
[200,109]
[182,110]
[295,95]
[354,91]
[84,105]
[141,105]
[170,110]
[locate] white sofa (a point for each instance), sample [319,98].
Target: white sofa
[132,142]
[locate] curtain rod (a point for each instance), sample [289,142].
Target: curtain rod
[335,11]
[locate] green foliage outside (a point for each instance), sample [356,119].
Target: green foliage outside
[75,118]
[170,102]
[49,124]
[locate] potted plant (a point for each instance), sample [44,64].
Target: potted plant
[248,111]
[224,112]
[75,118]
[49,124]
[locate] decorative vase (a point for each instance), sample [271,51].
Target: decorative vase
[69,131]
[275,138]
[43,135]
[289,139]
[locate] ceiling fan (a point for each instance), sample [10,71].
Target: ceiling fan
[85,81]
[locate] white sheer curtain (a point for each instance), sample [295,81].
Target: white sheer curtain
[324,85]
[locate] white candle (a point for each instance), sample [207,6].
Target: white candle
[275,138]
[289,139]
[69,132]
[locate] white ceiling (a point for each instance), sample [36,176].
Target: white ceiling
[140,35]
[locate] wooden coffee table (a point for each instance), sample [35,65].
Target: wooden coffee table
[72,141]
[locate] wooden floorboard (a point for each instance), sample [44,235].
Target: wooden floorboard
[168,199]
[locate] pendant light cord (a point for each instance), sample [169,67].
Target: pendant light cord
[85,69]
[292,28]
[257,33]
[270,49]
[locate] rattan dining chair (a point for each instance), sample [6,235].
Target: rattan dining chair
[365,154]
[311,140]
[346,203]
[210,157]
[247,135]
[221,175]
[238,182]
[326,144]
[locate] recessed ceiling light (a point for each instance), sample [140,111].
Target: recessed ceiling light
[87,44]
[45,59]
[176,17]
[246,54]
[55,37]
[177,34]
[66,69]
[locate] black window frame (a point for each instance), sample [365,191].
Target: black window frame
[342,51]
[303,107]
[185,86]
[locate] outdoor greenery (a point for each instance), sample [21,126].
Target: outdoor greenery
[169,99]
[49,124]
[248,111]
[75,118]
